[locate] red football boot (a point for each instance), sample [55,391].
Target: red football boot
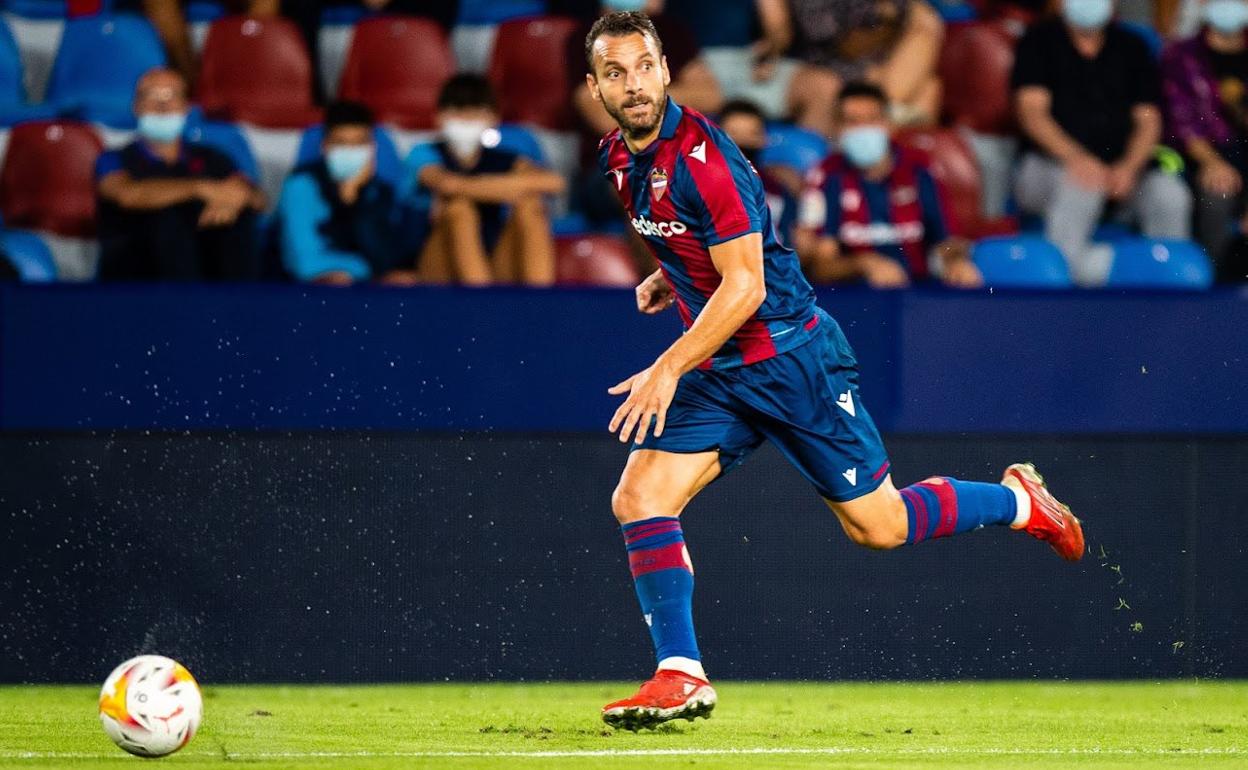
[1051,521]
[668,695]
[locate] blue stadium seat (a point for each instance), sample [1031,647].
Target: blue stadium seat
[225,137]
[343,15]
[200,11]
[518,139]
[1162,264]
[37,9]
[29,255]
[13,106]
[1149,35]
[388,166]
[955,11]
[1024,261]
[100,60]
[794,147]
[474,12]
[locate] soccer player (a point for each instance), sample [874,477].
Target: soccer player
[758,360]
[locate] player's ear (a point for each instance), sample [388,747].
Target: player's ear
[592,82]
[667,74]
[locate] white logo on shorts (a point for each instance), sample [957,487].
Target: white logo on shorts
[846,402]
[851,476]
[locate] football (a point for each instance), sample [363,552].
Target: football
[150,706]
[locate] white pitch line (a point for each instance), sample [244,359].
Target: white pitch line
[572,753]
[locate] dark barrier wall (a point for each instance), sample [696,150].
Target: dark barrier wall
[374,556]
[283,357]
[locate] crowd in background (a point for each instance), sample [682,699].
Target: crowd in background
[1109,129]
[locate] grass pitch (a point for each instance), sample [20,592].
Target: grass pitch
[779,724]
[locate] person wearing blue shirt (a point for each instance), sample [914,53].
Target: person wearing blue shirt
[170,209]
[337,218]
[484,206]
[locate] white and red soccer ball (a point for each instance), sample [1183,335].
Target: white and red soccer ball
[151,706]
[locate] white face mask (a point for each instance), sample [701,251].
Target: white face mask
[464,136]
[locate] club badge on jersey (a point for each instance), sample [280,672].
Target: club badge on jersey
[658,183]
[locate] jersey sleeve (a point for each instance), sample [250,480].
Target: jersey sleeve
[820,207]
[411,193]
[723,191]
[107,163]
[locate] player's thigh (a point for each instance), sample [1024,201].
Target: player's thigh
[876,519]
[659,483]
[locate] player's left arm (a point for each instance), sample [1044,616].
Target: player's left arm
[741,291]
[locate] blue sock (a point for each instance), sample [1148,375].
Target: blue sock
[663,577]
[940,507]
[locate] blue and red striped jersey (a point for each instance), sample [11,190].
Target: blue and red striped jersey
[692,189]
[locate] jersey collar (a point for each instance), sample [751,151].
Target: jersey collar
[671,119]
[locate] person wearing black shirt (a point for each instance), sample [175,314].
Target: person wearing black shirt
[1087,92]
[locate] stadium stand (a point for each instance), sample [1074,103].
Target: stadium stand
[1025,261]
[595,260]
[29,254]
[257,71]
[953,165]
[99,61]
[48,178]
[1159,264]
[396,66]
[528,71]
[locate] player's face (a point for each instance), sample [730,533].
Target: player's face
[630,79]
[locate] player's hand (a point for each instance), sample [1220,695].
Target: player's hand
[650,393]
[654,295]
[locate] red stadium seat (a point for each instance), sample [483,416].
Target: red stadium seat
[595,260]
[529,71]
[975,65]
[954,166]
[48,179]
[257,71]
[396,66]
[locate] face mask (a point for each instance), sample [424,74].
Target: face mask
[345,161]
[464,136]
[625,5]
[1088,14]
[161,127]
[865,146]
[1227,16]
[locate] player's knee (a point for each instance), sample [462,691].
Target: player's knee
[885,528]
[878,538]
[630,504]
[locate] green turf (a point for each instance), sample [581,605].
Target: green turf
[800,725]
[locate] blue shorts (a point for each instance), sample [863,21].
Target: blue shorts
[804,400]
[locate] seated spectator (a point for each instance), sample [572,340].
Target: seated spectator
[745,125]
[1205,79]
[755,68]
[170,209]
[484,205]
[873,210]
[894,44]
[1087,92]
[692,85]
[337,217]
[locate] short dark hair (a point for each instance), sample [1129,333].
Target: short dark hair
[620,24]
[466,90]
[741,107]
[347,114]
[862,89]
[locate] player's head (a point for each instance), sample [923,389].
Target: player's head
[466,110]
[348,143]
[627,71]
[161,105]
[745,125]
[862,114]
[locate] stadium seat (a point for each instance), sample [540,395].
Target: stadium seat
[975,64]
[955,11]
[528,70]
[1025,261]
[1151,37]
[38,9]
[1160,264]
[257,71]
[595,260]
[517,139]
[953,165]
[100,60]
[225,137]
[397,66]
[13,106]
[797,148]
[48,178]
[29,255]
[389,167]
[474,12]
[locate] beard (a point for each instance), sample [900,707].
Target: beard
[637,128]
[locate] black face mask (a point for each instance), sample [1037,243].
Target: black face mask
[752,154]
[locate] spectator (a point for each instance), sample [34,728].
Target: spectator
[1205,80]
[873,211]
[484,205]
[337,217]
[171,209]
[756,69]
[894,44]
[745,125]
[1087,93]
[692,85]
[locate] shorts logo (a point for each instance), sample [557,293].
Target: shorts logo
[658,183]
[846,402]
[659,229]
[851,476]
